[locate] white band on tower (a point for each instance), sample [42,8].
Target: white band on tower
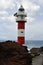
[21,32]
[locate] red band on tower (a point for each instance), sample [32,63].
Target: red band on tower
[21,40]
[21,25]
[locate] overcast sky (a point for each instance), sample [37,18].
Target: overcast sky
[34,25]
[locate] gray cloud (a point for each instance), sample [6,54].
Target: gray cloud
[8,26]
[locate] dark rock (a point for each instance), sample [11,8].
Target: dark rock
[34,50]
[13,54]
[41,49]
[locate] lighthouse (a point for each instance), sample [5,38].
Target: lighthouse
[21,19]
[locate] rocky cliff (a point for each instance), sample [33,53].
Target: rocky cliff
[13,54]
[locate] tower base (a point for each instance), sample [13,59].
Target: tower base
[21,40]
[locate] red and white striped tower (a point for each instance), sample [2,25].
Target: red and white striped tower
[21,24]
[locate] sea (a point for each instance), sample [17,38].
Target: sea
[32,43]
